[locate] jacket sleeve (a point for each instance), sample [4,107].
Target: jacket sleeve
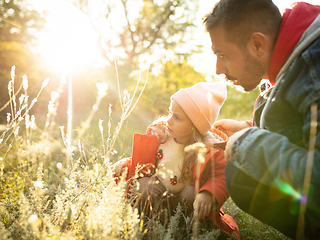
[267,156]
[279,155]
[212,176]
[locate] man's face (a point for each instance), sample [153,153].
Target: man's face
[237,64]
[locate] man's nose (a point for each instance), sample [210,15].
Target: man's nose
[220,67]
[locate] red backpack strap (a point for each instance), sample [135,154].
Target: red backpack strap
[140,171]
[226,223]
[144,151]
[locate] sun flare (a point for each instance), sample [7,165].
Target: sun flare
[69,41]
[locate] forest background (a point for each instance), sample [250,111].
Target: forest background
[156,40]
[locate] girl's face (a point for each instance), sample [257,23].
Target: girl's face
[179,125]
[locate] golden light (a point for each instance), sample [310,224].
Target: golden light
[69,41]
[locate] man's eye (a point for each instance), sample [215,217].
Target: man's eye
[220,56]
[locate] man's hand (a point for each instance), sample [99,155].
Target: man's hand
[203,204]
[229,126]
[231,141]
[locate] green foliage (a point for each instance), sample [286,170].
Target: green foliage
[251,228]
[239,105]
[139,33]
[42,194]
[160,88]
[141,27]
[16,21]
[18,26]
[52,190]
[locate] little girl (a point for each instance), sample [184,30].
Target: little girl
[166,174]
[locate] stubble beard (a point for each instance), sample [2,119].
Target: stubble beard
[251,76]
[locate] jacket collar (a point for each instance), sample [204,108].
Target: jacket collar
[294,23]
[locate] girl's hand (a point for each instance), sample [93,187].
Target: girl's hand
[204,204]
[118,166]
[160,132]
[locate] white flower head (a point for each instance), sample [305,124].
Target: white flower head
[33,122]
[54,96]
[8,117]
[126,95]
[21,98]
[102,89]
[100,125]
[59,165]
[45,83]
[13,72]
[10,87]
[32,218]
[25,82]
[38,184]
[16,132]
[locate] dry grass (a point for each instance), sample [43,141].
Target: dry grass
[54,187]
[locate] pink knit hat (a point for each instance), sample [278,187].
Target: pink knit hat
[202,103]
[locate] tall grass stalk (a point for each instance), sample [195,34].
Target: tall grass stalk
[41,198]
[46,198]
[308,173]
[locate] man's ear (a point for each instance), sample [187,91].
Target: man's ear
[258,45]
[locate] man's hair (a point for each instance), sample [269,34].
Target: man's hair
[240,18]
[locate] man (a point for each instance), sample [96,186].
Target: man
[267,163]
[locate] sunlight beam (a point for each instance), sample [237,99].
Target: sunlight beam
[69,41]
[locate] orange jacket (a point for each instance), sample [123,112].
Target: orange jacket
[211,176]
